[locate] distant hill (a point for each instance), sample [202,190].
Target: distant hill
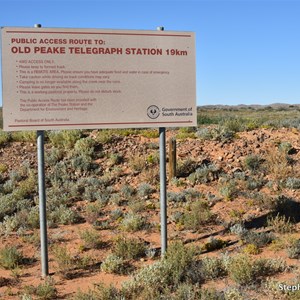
[275,106]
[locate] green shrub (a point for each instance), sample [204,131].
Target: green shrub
[293,250]
[212,268]
[292,183]
[280,224]
[63,215]
[64,260]
[82,163]
[105,136]
[113,264]
[150,133]
[176,197]
[241,270]
[253,162]
[84,146]
[127,191]
[198,215]
[133,222]
[64,138]
[91,239]
[128,248]
[10,257]
[258,239]
[244,271]
[46,290]
[24,136]
[185,167]
[145,190]
[228,190]
[5,137]
[168,273]
[204,174]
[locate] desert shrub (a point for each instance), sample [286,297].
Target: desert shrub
[265,202]
[198,215]
[186,133]
[292,183]
[91,239]
[127,191]
[137,163]
[167,273]
[185,167]
[184,291]
[64,138]
[259,239]
[278,164]
[21,220]
[232,124]
[117,199]
[10,257]
[232,293]
[92,193]
[105,136]
[280,224]
[46,290]
[133,222]
[8,206]
[269,266]
[137,206]
[4,137]
[53,156]
[212,268]
[293,250]
[221,133]
[210,294]
[24,136]
[254,183]
[176,197]
[241,270]
[204,174]
[228,190]
[26,188]
[251,249]
[63,215]
[64,260]
[204,134]
[192,194]
[179,261]
[238,229]
[150,133]
[115,159]
[153,159]
[245,271]
[252,162]
[144,190]
[213,244]
[82,163]
[128,248]
[84,146]
[116,214]
[113,264]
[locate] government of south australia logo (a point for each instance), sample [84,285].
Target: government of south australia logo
[153,112]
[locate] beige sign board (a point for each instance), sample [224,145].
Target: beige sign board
[89,78]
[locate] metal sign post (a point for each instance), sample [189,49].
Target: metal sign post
[42,203]
[42,199]
[163,189]
[163,185]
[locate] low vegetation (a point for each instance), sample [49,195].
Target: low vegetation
[233,210]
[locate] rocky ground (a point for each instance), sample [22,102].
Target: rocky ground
[239,178]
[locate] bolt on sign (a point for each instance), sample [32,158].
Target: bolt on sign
[90,78]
